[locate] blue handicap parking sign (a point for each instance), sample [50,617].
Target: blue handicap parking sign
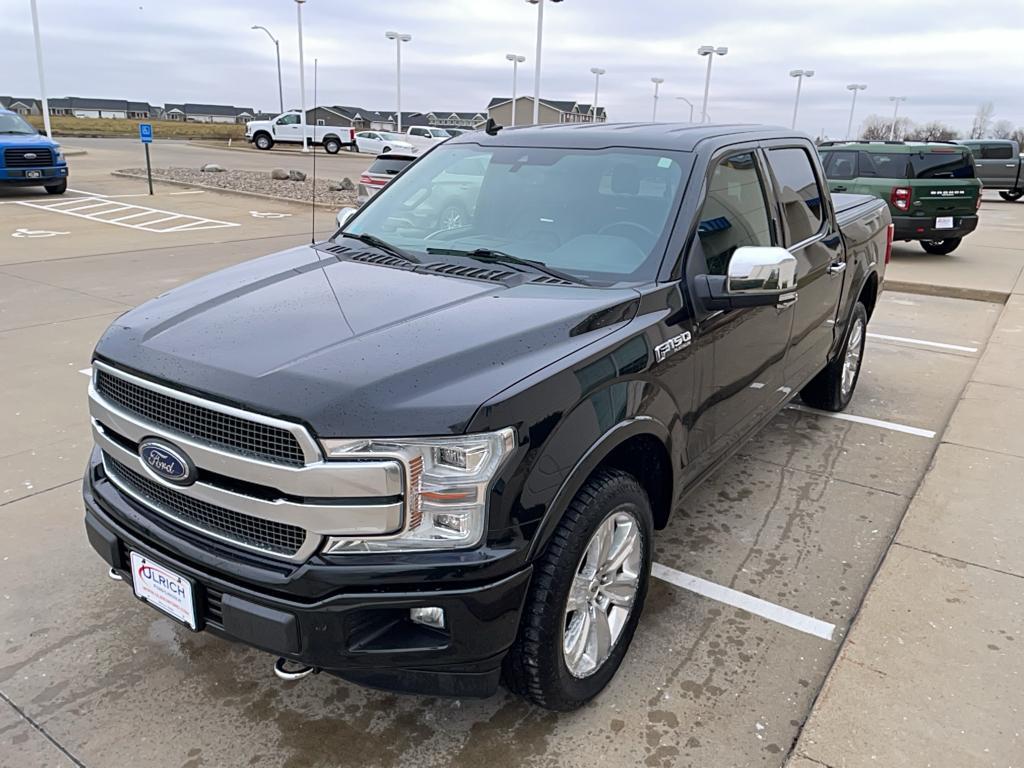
[145,133]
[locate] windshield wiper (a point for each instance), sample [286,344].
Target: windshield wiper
[382,245]
[490,256]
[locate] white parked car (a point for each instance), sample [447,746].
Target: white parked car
[383,142]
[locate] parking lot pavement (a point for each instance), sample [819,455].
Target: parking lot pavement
[759,575]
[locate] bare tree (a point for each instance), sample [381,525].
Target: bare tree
[878,128]
[982,120]
[933,131]
[1001,129]
[1018,136]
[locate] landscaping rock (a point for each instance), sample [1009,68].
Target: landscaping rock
[346,185]
[212,168]
[279,173]
[296,175]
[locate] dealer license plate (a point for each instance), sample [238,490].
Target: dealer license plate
[163,589]
[33,174]
[944,222]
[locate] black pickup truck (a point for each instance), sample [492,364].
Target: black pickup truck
[428,458]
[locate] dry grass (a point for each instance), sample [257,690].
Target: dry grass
[162,129]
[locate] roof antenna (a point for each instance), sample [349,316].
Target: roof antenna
[492,128]
[312,234]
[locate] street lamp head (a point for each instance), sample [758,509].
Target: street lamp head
[596,71]
[801,73]
[808,73]
[705,50]
[721,50]
[515,58]
[856,87]
[398,36]
[657,80]
[897,98]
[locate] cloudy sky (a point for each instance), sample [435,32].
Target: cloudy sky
[946,56]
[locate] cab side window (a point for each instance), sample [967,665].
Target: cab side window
[840,165]
[289,120]
[799,191]
[734,213]
[997,152]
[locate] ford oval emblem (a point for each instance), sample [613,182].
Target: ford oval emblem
[30,155]
[167,462]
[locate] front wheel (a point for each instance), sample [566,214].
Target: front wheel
[941,247]
[263,141]
[57,189]
[586,596]
[832,389]
[1012,195]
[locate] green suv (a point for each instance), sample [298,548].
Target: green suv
[931,187]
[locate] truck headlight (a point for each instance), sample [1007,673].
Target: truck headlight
[448,481]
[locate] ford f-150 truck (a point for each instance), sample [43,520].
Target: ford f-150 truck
[1000,165]
[424,458]
[286,128]
[27,158]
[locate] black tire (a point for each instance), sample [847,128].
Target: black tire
[941,247]
[332,145]
[535,666]
[1012,195]
[825,391]
[57,189]
[263,141]
[385,150]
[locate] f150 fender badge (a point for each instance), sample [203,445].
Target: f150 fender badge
[673,345]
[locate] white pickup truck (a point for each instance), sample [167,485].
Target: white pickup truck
[286,128]
[424,136]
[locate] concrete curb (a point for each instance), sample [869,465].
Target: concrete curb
[73,151]
[947,291]
[242,146]
[327,206]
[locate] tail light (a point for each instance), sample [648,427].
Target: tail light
[889,232]
[900,198]
[368,179]
[977,203]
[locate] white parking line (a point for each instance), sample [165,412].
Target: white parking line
[748,603]
[890,425]
[922,342]
[86,371]
[176,221]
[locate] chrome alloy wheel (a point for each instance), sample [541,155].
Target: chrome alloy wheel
[851,363]
[602,594]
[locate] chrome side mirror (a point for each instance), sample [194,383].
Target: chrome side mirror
[760,270]
[344,215]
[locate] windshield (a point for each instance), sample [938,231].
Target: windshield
[440,133]
[16,124]
[391,136]
[598,214]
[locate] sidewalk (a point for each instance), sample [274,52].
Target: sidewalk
[932,672]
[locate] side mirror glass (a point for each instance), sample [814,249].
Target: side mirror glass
[344,215]
[756,276]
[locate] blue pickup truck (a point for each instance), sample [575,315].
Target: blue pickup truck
[27,158]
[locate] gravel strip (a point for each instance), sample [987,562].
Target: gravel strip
[258,182]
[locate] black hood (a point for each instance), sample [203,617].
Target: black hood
[353,349]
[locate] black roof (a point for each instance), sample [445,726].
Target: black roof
[669,136]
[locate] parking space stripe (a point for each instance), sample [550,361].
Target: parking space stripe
[86,371]
[890,425]
[185,221]
[922,342]
[743,601]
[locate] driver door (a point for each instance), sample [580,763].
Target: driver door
[288,128]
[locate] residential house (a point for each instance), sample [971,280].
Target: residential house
[363,119]
[22,106]
[467,120]
[216,113]
[550,112]
[76,106]
[172,112]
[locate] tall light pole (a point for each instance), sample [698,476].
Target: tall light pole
[657,82]
[302,78]
[277,45]
[689,103]
[799,74]
[39,66]
[710,51]
[399,39]
[853,87]
[536,70]
[596,72]
[895,111]
[516,61]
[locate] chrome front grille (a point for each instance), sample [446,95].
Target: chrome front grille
[246,530]
[239,435]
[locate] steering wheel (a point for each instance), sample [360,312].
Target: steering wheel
[609,229]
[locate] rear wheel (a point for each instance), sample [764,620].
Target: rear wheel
[263,141]
[1012,195]
[586,596]
[941,247]
[57,189]
[832,389]
[332,145]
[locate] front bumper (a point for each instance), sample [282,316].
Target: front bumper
[361,634]
[923,228]
[26,177]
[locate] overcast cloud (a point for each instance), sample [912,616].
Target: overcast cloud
[946,56]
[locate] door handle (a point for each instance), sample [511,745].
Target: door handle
[839,189]
[1011,165]
[836,267]
[786,300]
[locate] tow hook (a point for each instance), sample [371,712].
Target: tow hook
[115,575]
[298,673]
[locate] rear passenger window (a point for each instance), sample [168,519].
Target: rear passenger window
[840,165]
[799,192]
[734,212]
[997,152]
